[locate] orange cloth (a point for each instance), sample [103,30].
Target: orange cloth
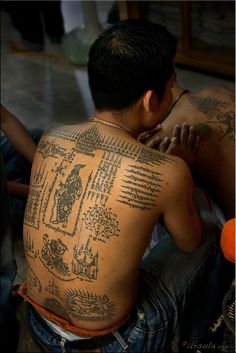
[228,240]
[66,325]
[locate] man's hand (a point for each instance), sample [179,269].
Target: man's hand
[183,143]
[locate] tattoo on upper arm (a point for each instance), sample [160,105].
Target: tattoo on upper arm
[102,221]
[214,111]
[86,306]
[140,187]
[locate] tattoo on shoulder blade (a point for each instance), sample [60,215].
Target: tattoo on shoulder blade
[103,222]
[217,112]
[50,149]
[85,141]
[89,307]
[140,187]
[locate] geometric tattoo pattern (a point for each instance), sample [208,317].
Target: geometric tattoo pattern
[86,306]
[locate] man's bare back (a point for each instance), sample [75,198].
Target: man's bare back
[95,196]
[211,112]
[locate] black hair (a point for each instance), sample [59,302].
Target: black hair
[128,59]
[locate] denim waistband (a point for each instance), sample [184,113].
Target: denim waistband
[66,325]
[88,344]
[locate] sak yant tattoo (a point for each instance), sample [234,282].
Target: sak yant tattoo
[52,255]
[33,281]
[29,246]
[56,307]
[35,198]
[140,187]
[214,111]
[90,307]
[86,141]
[84,263]
[50,149]
[53,288]
[102,222]
[65,196]
[103,181]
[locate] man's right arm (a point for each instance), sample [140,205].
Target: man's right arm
[180,214]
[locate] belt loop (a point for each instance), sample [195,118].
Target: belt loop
[120,339]
[62,344]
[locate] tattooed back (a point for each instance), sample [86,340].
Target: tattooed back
[95,196]
[211,111]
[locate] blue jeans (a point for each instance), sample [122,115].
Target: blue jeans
[168,276]
[17,169]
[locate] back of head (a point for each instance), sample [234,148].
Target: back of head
[128,59]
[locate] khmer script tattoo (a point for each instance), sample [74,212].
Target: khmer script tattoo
[86,306]
[214,111]
[140,187]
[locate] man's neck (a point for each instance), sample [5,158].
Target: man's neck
[176,90]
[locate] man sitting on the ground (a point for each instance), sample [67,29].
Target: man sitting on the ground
[95,196]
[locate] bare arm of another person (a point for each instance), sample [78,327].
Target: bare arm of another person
[180,214]
[17,134]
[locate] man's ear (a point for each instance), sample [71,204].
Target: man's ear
[150,102]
